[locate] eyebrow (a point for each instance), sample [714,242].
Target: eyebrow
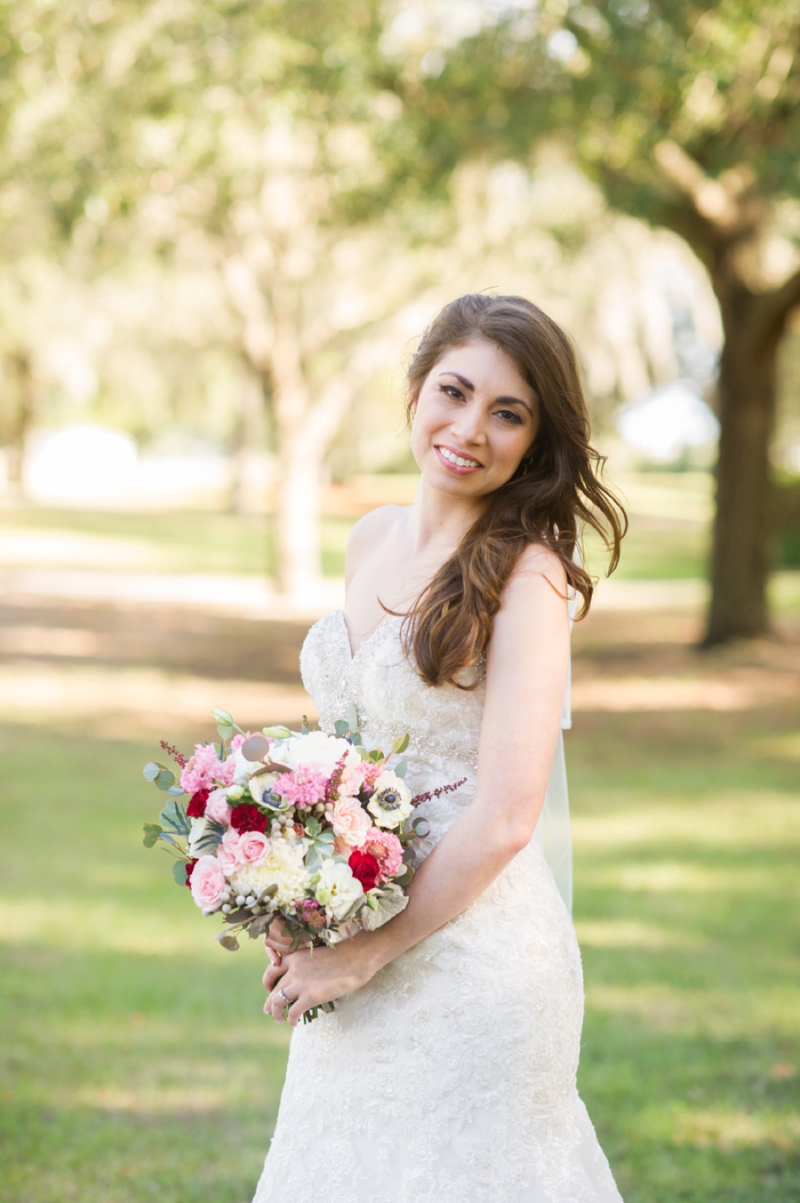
[471,387]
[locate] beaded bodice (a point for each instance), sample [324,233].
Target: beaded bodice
[391,698]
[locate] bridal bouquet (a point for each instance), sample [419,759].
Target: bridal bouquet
[310,828]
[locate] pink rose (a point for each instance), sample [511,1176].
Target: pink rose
[352,780]
[208,883]
[253,848]
[229,853]
[218,807]
[350,821]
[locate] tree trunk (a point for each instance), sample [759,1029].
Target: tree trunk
[297,537]
[23,420]
[740,559]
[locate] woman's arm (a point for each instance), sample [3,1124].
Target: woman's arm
[526,675]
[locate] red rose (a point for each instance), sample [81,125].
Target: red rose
[197,804]
[190,870]
[248,817]
[364,868]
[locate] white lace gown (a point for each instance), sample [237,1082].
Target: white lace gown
[450,1076]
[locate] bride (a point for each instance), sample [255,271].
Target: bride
[446,1074]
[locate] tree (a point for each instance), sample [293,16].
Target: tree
[688,115]
[237,133]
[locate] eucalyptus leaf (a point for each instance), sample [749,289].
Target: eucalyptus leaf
[179,872]
[175,791]
[400,769]
[352,718]
[422,827]
[151,833]
[405,878]
[151,770]
[162,835]
[165,778]
[259,926]
[340,727]
[228,941]
[255,748]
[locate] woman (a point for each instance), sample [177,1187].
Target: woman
[447,1072]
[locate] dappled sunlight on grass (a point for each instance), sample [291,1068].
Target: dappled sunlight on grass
[629,933]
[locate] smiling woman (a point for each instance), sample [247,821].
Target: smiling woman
[447,1070]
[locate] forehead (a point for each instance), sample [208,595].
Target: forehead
[487,366]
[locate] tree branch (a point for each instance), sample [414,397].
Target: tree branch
[782,300]
[722,203]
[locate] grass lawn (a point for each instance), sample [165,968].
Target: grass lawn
[137,1063]
[674,505]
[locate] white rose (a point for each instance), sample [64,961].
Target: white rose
[196,833]
[390,803]
[337,890]
[317,751]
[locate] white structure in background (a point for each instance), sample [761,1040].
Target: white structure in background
[84,464]
[667,422]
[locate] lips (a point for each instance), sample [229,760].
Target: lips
[456,459]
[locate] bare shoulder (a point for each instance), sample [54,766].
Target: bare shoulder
[372,528]
[537,567]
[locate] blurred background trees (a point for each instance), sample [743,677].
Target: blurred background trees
[687,116]
[224,224]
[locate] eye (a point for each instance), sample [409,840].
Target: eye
[452,391]
[509,415]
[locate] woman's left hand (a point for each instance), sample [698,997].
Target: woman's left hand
[311,976]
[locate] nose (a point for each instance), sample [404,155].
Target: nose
[468,424]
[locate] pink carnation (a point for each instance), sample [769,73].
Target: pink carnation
[387,850]
[207,883]
[203,769]
[302,787]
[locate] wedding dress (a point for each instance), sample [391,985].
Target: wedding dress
[450,1076]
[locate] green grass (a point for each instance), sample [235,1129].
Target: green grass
[137,1061]
[668,538]
[175,541]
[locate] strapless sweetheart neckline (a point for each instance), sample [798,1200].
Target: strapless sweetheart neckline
[367,638]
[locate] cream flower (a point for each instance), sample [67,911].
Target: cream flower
[337,890]
[282,867]
[316,750]
[390,803]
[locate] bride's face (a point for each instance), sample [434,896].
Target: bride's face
[474,421]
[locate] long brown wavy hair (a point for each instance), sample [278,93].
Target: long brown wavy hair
[555,490]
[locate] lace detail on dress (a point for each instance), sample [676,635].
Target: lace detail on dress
[450,1077]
